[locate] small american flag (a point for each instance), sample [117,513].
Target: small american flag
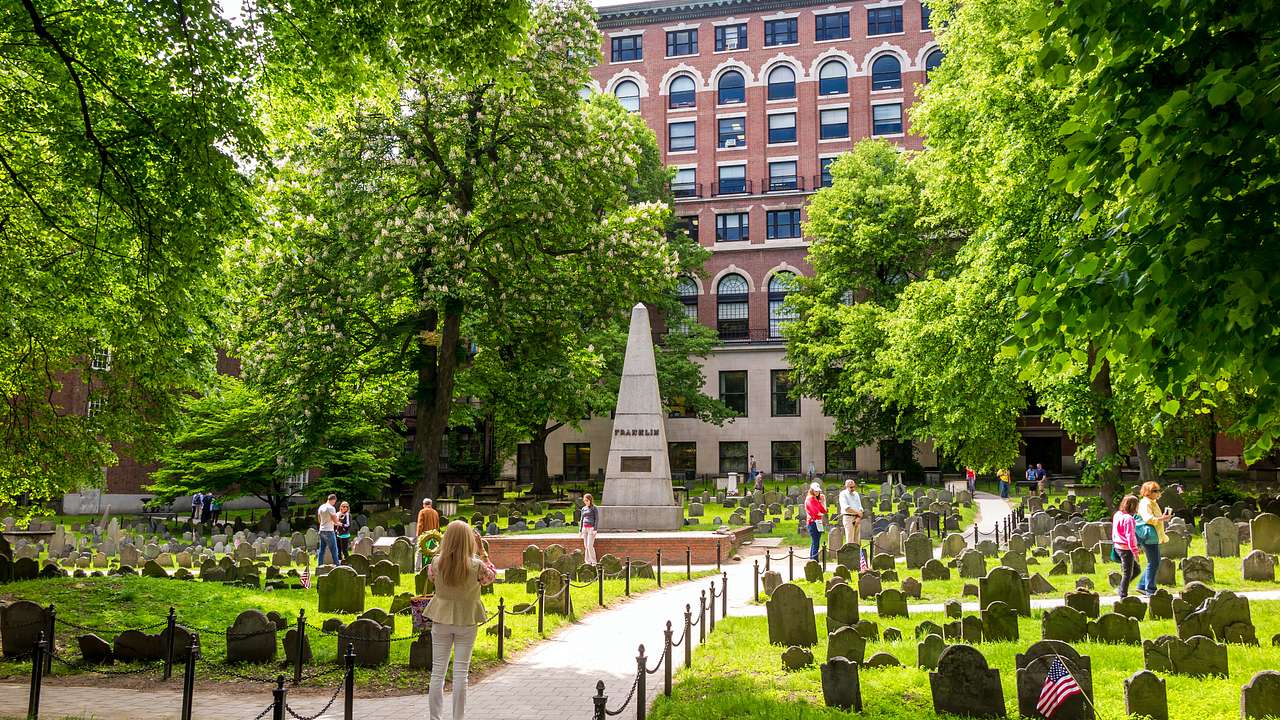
[863,565]
[1058,686]
[305,578]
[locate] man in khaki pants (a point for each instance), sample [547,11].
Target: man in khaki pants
[851,511]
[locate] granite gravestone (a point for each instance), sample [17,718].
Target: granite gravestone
[637,486]
[964,685]
[1032,668]
[790,615]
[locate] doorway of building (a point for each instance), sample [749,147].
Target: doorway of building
[1045,450]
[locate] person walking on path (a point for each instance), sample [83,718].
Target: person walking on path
[343,530]
[1124,541]
[456,612]
[851,511]
[428,518]
[1002,476]
[206,512]
[327,518]
[589,521]
[755,476]
[1151,514]
[1042,479]
[971,477]
[815,511]
[197,504]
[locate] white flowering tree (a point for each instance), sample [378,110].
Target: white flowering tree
[452,204]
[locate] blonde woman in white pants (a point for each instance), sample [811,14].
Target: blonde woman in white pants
[589,519]
[456,612]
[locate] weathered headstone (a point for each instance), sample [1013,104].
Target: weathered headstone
[1145,696]
[21,623]
[1259,566]
[891,603]
[847,643]
[1114,628]
[796,658]
[1086,601]
[1260,697]
[1198,656]
[964,685]
[1065,624]
[251,638]
[918,549]
[973,564]
[935,569]
[1264,533]
[790,615]
[341,591]
[1221,539]
[1032,668]
[1006,585]
[371,640]
[999,622]
[928,650]
[842,607]
[840,687]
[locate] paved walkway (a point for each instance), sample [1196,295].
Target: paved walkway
[553,681]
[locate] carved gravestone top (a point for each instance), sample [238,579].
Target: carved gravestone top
[1032,668]
[842,607]
[1065,624]
[790,616]
[964,685]
[251,638]
[1006,585]
[848,643]
[1145,696]
[840,687]
[1260,697]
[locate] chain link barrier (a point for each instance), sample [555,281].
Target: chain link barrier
[630,696]
[336,692]
[98,670]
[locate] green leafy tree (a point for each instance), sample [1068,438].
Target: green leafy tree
[229,443]
[448,205]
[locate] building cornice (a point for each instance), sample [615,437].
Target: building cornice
[667,10]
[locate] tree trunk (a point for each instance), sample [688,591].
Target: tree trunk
[541,478]
[433,397]
[1209,458]
[1146,471]
[1106,443]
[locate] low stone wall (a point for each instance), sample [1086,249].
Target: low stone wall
[507,550]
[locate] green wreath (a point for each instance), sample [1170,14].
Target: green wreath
[429,545]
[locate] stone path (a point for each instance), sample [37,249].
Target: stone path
[553,681]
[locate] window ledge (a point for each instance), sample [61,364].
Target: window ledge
[884,35]
[834,40]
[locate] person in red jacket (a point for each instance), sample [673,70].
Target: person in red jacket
[815,511]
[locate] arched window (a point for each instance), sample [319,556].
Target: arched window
[731,307]
[683,93]
[732,89]
[886,73]
[687,291]
[782,83]
[780,285]
[931,62]
[585,92]
[628,93]
[833,78]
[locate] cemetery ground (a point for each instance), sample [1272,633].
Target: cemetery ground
[119,602]
[738,674]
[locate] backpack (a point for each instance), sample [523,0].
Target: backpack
[1145,531]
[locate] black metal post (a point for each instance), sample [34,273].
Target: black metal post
[37,674]
[767,558]
[628,575]
[791,563]
[278,699]
[713,605]
[659,567]
[688,563]
[568,596]
[755,580]
[824,554]
[301,643]
[640,684]
[168,646]
[502,624]
[50,637]
[717,556]
[189,677]
[688,636]
[600,584]
[349,685]
[724,595]
[541,603]
[599,699]
[702,617]
[666,674]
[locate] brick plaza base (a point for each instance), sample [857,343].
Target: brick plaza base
[508,550]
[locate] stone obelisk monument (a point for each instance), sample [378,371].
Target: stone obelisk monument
[637,480]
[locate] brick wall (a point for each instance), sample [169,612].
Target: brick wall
[508,550]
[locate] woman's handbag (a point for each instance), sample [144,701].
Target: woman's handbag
[1145,531]
[821,526]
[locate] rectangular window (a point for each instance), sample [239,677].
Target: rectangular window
[577,462]
[782,128]
[834,124]
[883,21]
[839,457]
[685,184]
[783,224]
[733,458]
[886,119]
[782,176]
[682,42]
[733,390]
[781,32]
[783,404]
[101,359]
[785,455]
[926,17]
[824,165]
[683,457]
[97,403]
[689,223]
[627,49]
[731,37]
[681,136]
[733,179]
[732,227]
[524,463]
[733,133]
[833,26]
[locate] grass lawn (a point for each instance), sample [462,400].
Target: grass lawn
[737,674]
[122,602]
[1227,576]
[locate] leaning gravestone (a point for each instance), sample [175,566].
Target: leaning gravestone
[1264,533]
[790,615]
[1008,586]
[1260,697]
[21,623]
[964,685]
[1258,566]
[1198,656]
[999,623]
[341,591]
[842,607]
[1145,696]
[840,687]
[1227,615]
[847,643]
[770,580]
[1032,668]
[251,638]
